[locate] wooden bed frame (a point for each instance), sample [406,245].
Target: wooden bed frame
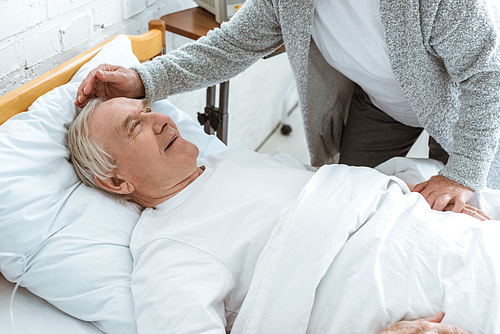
[145,46]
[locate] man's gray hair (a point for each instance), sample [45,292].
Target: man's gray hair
[87,154]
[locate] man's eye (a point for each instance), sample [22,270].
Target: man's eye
[148,110]
[134,125]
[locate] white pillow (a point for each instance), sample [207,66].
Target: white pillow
[76,238]
[34,315]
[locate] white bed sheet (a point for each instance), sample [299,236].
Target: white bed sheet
[373,258]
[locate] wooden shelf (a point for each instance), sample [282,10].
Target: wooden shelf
[191,23]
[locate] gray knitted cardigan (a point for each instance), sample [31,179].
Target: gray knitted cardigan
[444,53]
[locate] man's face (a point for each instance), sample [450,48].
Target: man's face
[148,149]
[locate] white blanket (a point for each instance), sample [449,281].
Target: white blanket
[357,253]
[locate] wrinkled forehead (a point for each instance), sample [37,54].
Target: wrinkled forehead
[108,118]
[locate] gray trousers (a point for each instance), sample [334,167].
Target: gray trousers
[371,137]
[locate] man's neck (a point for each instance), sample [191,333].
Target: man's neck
[150,202]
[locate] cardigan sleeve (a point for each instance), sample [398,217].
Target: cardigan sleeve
[466,38]
[253,32]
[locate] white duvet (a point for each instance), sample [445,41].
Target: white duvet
[357,253]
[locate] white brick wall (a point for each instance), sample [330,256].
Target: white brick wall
[107,14]
[57,8]
[133,7]
[76,32]
[36,35]
[40,46]
[10,60]
[18,16]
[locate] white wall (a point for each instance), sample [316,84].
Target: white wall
[36,35]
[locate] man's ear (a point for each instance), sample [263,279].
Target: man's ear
[115,184]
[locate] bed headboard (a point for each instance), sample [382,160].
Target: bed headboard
[144,46]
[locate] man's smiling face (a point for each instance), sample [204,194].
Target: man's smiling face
[149,151]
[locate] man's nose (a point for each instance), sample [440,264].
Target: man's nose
[159,122]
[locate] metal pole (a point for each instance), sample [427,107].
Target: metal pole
[210,105]
[223,104]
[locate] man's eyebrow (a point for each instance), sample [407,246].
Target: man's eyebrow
[125,124]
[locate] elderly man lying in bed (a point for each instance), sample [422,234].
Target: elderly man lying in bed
[250,243]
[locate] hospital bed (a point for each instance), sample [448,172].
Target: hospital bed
[46,216]
[65,243]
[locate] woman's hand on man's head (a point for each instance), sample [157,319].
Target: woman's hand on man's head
[108,81]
